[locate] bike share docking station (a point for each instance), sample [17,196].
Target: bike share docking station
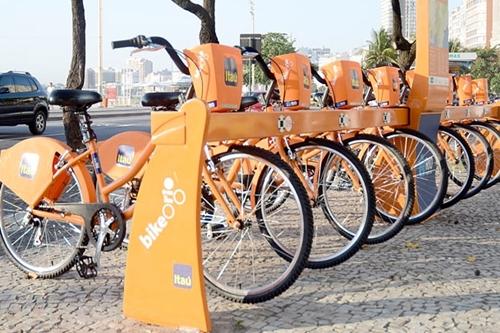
[164,281]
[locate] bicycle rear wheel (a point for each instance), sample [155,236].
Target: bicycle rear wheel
[264,257]
[344,206]
[492,135]
[429,171]
[460,164]
[393,183]
[483,157]
[42,247]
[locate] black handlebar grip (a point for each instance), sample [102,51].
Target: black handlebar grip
[123,43]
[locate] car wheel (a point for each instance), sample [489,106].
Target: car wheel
[39,123]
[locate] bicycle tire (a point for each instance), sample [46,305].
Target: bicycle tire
[494,140]
[294,267]
[69,254]
[332,161]
[483,157]
[429,201]
[395,223]
[466,160]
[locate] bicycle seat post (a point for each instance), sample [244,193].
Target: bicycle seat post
[85,126]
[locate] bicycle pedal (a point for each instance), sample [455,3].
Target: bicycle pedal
[86,267]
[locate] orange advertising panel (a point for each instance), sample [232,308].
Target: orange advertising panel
[120,152]
[385,84]
[464,89]
[410,77]
[451,89]
[164,282]
[293,73]
[429,92]
[345,80]
[480,90]
[29,166]
[217,74]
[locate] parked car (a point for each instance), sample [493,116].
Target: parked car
[23,100]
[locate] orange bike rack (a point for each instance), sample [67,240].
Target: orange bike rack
[164,276]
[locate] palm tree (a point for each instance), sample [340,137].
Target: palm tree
[454,45]
[380,50]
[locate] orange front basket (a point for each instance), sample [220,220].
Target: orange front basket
[217,74]
[385,84]
[480,90]
[344,78]
[293,73]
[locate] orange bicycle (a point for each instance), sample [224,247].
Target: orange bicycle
[50,208]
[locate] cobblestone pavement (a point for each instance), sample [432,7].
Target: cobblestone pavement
[443,275]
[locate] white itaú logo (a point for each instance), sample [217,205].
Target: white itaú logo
[171,198]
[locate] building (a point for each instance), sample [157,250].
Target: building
[408,17]
[142,66]
[475,23]
[90,79]
[315,54]
[495,24]
[109,75]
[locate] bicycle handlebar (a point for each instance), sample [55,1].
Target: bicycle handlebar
[143,41]
[316,75]
[259,59]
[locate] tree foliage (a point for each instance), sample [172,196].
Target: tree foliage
[380,50]
[273,44]
[454,45]
[487,65]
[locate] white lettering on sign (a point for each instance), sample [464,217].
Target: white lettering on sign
[171,198]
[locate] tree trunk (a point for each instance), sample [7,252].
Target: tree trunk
[407,50]
[206,14]
[76,75]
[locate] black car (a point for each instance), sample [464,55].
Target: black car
[23,100]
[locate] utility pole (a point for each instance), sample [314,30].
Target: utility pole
[252,13]
[99,49]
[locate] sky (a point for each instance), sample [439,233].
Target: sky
[35,36]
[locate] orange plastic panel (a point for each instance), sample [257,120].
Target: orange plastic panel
[464,89]
[121,151]
[293,73]
[385,83]
[28,168]
[410,77]
[217,74]
[451,89]
[480,90]
[164,282]
[345,81]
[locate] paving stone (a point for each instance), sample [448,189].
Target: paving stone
[383,288]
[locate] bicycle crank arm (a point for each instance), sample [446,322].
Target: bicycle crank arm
[101,220]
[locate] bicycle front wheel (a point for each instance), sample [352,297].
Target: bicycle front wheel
[393,183]
[344,203]
[429,171]
[263,257]
[460,164]
[483,157]
[492,135]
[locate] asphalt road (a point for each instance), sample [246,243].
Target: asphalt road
[104,128]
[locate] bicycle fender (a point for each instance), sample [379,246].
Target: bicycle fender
[28,170]
[118,153]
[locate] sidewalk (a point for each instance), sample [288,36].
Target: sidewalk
[56,113]
[440,276]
